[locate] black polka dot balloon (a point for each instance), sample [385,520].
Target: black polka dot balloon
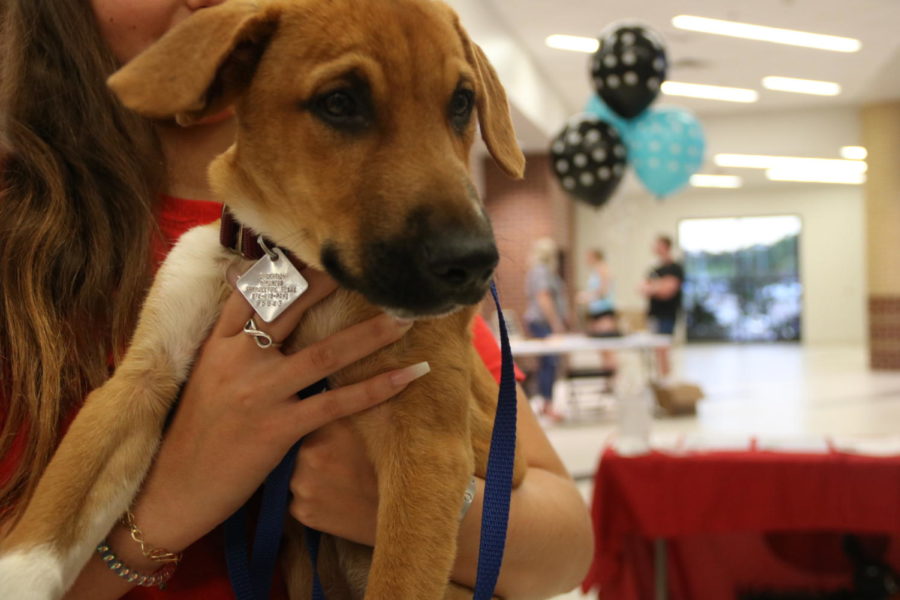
[589,159]
[629,68]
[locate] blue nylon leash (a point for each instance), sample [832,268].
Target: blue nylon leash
[313,537]
[236,555]
[252,580]
[269,531]
[498,480]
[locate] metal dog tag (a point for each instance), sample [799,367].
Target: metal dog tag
[271,285]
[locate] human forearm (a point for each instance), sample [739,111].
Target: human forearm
[169,513]
[549,541]
[663,288]
[548,544]
[97,582]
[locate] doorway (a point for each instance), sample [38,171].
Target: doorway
[742,278]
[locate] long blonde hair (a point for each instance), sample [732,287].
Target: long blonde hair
[79,178]
[545,252]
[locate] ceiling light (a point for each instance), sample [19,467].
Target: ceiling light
[854,152]
[801,86]
[765,161]
[709,92]
[716,181]
[762,33]
[815,176]
[575,43]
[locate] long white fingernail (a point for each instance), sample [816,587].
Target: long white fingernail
[410,373]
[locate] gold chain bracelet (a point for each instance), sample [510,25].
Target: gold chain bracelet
[154,554]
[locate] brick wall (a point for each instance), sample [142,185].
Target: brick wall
[884,332]
[521,212]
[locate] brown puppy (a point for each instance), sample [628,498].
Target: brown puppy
[355,122]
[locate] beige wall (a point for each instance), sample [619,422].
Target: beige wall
[832,245]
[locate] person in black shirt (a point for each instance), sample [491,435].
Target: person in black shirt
[663,288]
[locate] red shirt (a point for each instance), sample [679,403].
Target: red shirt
[202,574]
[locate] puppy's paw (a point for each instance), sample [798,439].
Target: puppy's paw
[35,574]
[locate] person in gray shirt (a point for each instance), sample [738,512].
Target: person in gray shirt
[546,313]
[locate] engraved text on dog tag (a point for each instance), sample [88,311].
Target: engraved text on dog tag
[271,285]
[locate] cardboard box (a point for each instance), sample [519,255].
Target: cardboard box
[678,399]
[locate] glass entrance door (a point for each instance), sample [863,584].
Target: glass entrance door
[742,278]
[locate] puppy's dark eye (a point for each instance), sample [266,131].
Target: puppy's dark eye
[461,105]
[339,105]
[346,109]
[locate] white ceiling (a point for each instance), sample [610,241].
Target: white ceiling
[870,75]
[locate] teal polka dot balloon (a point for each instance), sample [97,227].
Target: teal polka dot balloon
[595,106]
[665,147]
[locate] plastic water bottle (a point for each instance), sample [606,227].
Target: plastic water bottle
[635,417]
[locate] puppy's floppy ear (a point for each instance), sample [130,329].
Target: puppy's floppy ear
[493,109]
[200,66]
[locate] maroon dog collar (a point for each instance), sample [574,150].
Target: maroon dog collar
[243,240]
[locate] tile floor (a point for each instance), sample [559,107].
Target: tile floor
[786,391]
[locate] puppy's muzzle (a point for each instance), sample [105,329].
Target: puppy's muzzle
[456,262]
[439,272]
[431,273]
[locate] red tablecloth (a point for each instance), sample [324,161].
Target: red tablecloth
[706,502]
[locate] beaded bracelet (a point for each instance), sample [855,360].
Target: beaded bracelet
[468,498]
[158,579]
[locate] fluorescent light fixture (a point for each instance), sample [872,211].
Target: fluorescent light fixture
[815,176]
[776,35]
[709,92]
[801,86]
[575,43]
[854,152]
[716,181]
[766,161]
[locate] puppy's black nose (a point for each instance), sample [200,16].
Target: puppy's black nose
[460,260]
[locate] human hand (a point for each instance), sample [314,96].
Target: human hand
[334,486]
[239,414]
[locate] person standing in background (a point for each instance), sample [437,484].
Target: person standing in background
[598,298]
[598,295]
[663,289]
[546,313]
